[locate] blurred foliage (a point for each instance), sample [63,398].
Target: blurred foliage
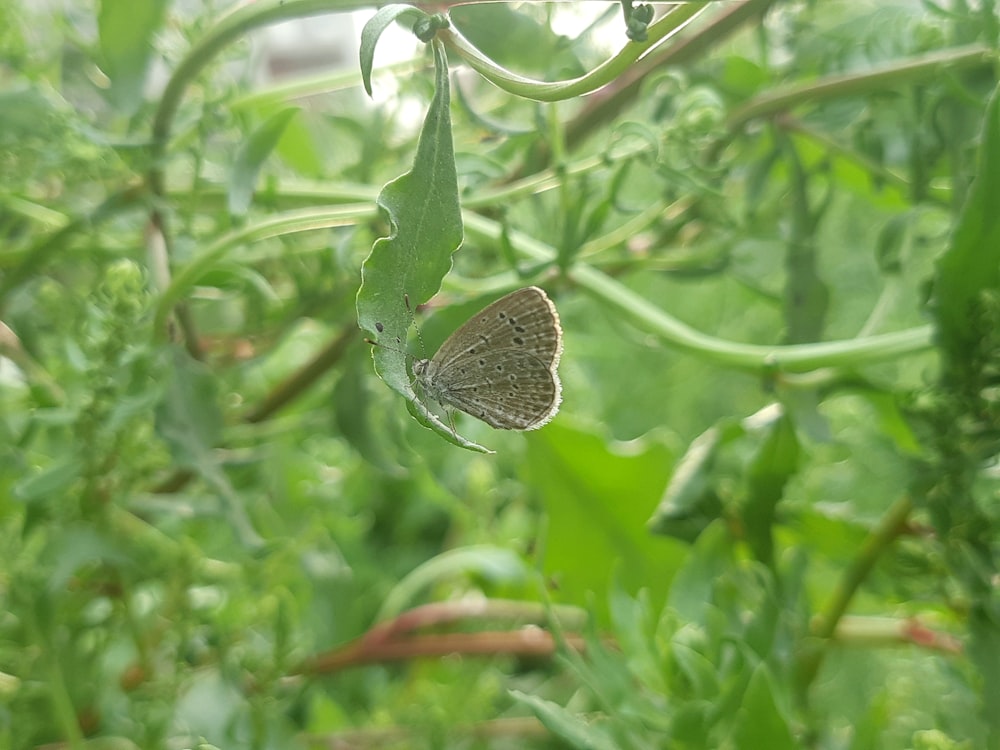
[767,513]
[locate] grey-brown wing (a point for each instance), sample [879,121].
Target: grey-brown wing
[513,390]
[524,321]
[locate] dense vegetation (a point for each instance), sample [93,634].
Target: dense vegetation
[766,515]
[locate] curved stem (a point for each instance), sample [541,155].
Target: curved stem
[762,359]
[603,74]
[853,84]
[229,28]
[606,104]
[292,221]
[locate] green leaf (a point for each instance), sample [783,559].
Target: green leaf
[984,653]
[109,743]
[891,420]
[564,724]
[697,669]
[53,480]
[776,460]
[868,729]
[526,44]
[24,112]
[250,158]
[190,423]
[406,268]
[890,243]
[373,30]
[126,30]
[305,151]
[77,546]
[635,623]
[356,420]
[597,499]
[972,262]
[711,558]
[188,418]
[492,563]
[690,503]
[759,721]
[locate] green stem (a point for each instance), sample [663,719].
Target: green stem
[545,91]
[63,709]
[302,378]
[227,30]
[898,188]
[551,178]
[633,226]
[887,78]
[608,103]
[761,359]
[825,624]
[806,297]
[290,222]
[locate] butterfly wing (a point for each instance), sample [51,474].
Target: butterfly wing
[512,391]
[500,365]
[525,320]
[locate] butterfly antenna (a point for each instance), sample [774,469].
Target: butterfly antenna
[420,338]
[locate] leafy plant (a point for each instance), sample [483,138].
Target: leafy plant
[767,513]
